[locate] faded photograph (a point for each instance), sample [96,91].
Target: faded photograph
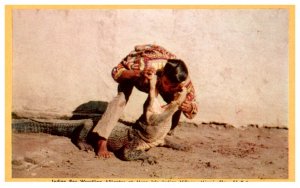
[164,94]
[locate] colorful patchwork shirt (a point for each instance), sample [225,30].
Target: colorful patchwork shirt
[155,56]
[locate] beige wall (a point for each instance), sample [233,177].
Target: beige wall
[238,59]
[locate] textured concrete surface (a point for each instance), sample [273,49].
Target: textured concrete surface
[238,59]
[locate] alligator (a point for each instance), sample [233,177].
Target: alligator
[127,142]
[77,130]
[150,130]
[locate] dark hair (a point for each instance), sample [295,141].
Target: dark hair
[176,71]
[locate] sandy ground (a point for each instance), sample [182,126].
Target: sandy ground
[217,151]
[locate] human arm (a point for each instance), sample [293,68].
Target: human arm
[189,107]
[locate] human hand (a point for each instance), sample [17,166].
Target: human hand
[186,106]
[148,72]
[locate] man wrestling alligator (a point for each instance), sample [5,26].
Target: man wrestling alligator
[152,127]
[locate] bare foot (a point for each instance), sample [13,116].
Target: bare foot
[102,149]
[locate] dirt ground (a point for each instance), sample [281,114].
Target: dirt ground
[217,152]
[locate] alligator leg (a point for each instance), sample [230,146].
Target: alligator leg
[80,135]
[169,143]
[129,151]
[133,155]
